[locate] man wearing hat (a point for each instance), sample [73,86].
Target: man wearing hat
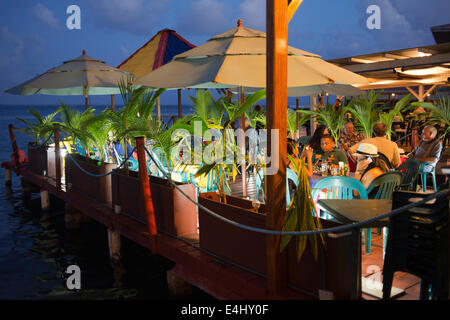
[384,146]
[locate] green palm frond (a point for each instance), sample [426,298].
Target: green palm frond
[364,110]
[440,113]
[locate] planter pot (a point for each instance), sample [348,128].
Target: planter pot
[244,247]
[51,164]
[98,188]
[174,214]
[37,158]
[336,268]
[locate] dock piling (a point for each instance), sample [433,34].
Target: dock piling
[8,180]
[45,200]
[177,286]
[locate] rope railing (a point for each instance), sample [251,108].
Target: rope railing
[311,232]
[101,175]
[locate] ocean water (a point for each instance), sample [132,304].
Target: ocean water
[36,248]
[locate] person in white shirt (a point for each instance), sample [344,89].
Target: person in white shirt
[384,146]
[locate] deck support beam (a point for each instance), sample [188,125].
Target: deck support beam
[276,114]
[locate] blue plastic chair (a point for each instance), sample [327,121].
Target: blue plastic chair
[423,171]
[385,184]
[290,175]
[340,188]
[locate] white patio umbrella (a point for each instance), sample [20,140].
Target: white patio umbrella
[237,58]
[80,76]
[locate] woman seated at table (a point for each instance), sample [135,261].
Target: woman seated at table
[314,143]
[370,163]
[329,153]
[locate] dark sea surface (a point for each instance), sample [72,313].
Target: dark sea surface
[36,248]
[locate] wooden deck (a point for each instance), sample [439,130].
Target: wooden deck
[372,265]
[219,279]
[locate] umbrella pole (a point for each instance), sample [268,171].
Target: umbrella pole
[113,102]
[158,109]
[243,164]
[86,102]
[297,116]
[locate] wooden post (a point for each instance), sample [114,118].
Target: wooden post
[115,245]
[146,193]
[180,109]
[276,113]
[14,146]
[45,200]
[113,102]
[8,180]
[243,164]
[57,158]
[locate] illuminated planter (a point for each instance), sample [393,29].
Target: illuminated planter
[174,214]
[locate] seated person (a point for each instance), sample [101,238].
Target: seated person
[347,139]
[329,153]
[429,148]
[385,146]
[370,163]
[314,142]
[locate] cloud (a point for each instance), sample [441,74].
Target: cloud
[46,16]
[12,48]
[133,16]
[206,17]
[253,14]
[398,27]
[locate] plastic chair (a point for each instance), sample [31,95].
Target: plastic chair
[418,244]
[290,175]
[424,169]
[384,185]
[409,175]
[338,188]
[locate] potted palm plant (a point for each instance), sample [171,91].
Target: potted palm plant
[40,131]
[173,213]
[89,134]
[364,110]
[333,120]
[242,247]
[388,118]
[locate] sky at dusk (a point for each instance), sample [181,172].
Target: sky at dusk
[34,36]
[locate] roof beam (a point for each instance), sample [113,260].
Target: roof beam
[420,61]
